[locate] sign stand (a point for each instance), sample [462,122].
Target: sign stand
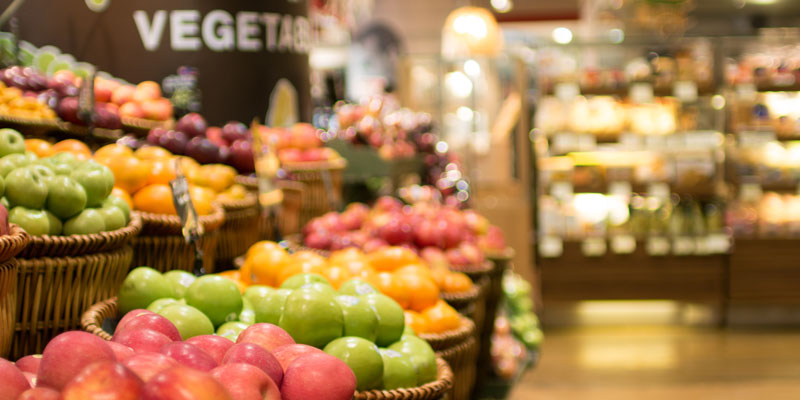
[192,229]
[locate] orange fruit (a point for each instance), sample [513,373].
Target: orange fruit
[218,177]
[202,199]
[41,148]
[367,274]
[130,173]
[77,148]
[439,275]
[244,272]
[113,150]
[234,276]
[354,266]
[117,191]
[265,266]
[161,171]
[422,291]
[309,255]
[187,165]
[416,321]
[348,254]
[261,246]
[441,317]
[391,258]
[336,275]
[388,285]
[457,282]
[295,267]
[154,199]
[416,269]
[152,153]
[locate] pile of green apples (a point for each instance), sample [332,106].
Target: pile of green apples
[357,324]
[58,194]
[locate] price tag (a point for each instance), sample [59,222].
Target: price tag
[191,227]
[685,91]
[747,91]
[756,138]
[718,243]
[658,189]
[623,244]
[641,92]
[86,102]
[657,246]
[567,91]
[593,247]
[561,190]
[683,245]
[551,247]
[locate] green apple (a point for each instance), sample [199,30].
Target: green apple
[159,304]
[31,156]
[231,330]
[360,319]
[141,287]
[362,356]
[25,187]
[114,201]
[86,222]
[12,162]
[113,218]
[44,172]
[96,179]
[35,222]
[408,331]
[398,370]
[321,287]
[180,281]
[300,280]
[267,303]
[391,320]
[56,227]
[64,158]
[190,321]
[2,186]
[421,355]
[357,287]
[247,315]
[217,297]
[11,142]
[61,163]
[5,203]
[65,197]
[312,317]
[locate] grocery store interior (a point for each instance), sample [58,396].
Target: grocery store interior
[381,199]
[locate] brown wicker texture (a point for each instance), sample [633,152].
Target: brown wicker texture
[475,272]
[29,126]
[99,133]
[316,198]
[53,292]
[8,304]
[430,391]
[445,340]
[492,297]
[464,302]
[168,225]
[295,243]
[13,243]
[79,245]
[143,126]
[462,361]
[249,182]
[289,215]
[92,319]
[167,253]
[239,231]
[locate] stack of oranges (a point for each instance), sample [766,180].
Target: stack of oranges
[395,271]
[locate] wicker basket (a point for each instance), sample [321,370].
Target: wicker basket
[465,302]
[163,247]
[492,298]
[317,198]
[59,276]
[10,245]
[289,215]
[459,348]
[95,317]
[238,232]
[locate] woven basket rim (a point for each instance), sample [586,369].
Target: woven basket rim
[173,222]
[463,297]
[440,341]
[13,243]
[483,268]
[500,255]
[144,123]
[335,164]
[58,245]
[31,122]
[430,390]
[249,201]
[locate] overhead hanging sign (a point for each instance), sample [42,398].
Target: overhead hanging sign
[240,49]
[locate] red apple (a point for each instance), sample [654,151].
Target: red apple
[233,131]
[122,94]
[189,355]
[388,203]
[192,124]
[105,380]
[12,381]
[311,155]
[68,354]
[266,335]
[103,89]
[242,156]
[246,382]
[319,240]
[121,351]
[494,239]
[31,378]
[319,377]
[374,244]
[287,354]
[146,365]
[131,109]
[396,232]
[147,90]
[214,134]
[142,339]
[434,256]
[290,155]
[304,136]
[159,109]
[153,322]
[174,141]
[429,233]
[215,346]
[29,363]
[40,394]
[253,354]
[184,383]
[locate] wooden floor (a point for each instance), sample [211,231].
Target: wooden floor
[665,363]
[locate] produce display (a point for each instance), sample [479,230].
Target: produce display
[58,194]
[395,271]
[16,103]
[435,231]
[305,315]
[517,334]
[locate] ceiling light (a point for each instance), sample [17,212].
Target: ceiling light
[562,35]
[502,6]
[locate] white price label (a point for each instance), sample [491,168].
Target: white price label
[641,92]
[567,91]
[718,243]
[657,246]
[685,91]
[623,244]
[683,245]
[593,247]
[551,247]
[747,91]
[756,138]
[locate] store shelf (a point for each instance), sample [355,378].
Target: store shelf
[765,271]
